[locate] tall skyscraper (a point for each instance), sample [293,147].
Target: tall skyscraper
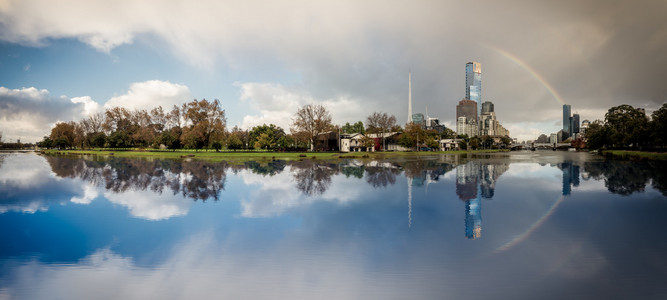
[566,120]
[474,84]
[409,97]
[575,123]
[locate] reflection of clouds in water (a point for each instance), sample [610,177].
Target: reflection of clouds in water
[89,194]
[28,185]
[197,269]
[24,171]
[532,170]
[148,205]
[277,195]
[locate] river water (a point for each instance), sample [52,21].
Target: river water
[527,225]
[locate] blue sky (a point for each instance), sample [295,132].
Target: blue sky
[62,60]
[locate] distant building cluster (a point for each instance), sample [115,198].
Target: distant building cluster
[573,128]
[474,117]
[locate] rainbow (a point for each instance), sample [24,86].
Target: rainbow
[523,236]
[532,72]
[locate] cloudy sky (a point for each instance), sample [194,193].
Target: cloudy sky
[62,60]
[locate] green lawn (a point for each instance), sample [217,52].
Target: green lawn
[242,156]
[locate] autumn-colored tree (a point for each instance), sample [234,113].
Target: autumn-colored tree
[62,134]
[312,119]
[205,122]
[380,123]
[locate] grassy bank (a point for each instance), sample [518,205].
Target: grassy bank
[626,154]
[233,157]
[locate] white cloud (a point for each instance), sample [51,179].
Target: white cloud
[149,94]
[277,105]
[29,113]
[90,107]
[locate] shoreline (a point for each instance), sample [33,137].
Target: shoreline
[634,155]
[244,156]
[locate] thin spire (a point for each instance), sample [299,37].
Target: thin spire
[409,96]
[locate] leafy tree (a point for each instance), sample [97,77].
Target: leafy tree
[367,142]
[242,135]
[627,126]
[486,142]
[380,123]
[97,139]
[312,119]
[206,122]
[46,143]
[119,139]
[475,142]
[269,136]
[63,134]
[217,145]
[357,127]
[414,134]
[659,126]
[234,142]
[597,135]
[170,138]
[506,140]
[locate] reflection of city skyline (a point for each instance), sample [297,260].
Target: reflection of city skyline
[570,176]
[476,181]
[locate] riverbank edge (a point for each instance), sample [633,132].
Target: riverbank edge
[634,155]
[243,156]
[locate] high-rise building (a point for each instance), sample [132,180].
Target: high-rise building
[467,108]
[474,83]
[418,118]
[487,107]
[575,123]
[566,120]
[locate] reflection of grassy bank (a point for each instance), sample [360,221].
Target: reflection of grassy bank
[243,156]
[626,154]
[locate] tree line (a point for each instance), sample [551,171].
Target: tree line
[202,124]
[627,127]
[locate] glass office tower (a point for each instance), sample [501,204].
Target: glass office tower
[474,84]
[566,119]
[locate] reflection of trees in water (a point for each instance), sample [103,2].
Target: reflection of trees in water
[312,178]
[197,180]
[271,168]
[381,176]
[627,177]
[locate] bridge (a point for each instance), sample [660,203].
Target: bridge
[540,146]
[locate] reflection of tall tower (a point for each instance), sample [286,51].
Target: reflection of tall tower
[475,181]
[570,176]
[409,202]
[474,218]
[409,97]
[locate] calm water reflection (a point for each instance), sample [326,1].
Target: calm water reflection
[548,225]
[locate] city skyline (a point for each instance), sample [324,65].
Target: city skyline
[61,62]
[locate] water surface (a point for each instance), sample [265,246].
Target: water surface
[548,225]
